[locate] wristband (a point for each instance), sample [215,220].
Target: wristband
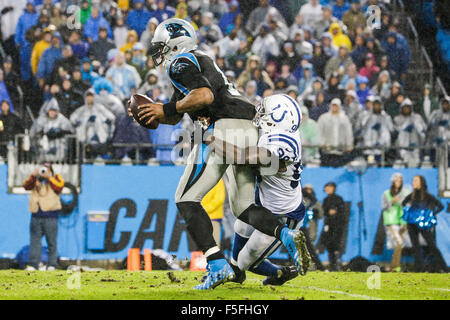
[170,109]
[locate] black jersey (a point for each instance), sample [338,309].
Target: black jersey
[193,70]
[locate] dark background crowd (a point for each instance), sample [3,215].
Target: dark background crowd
[68,68]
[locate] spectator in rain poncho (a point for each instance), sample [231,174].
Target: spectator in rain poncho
[93,123]
[28,19]
[336,133]
[309,136]
[4,95]
[265,45]
[93,25]
[377,129]
[49,130]
[151,82]
[138,17]
[439,126]
[383,86]
[103,95]
[352,107]
[259,14]
[251,92]
[411,132]
[122,77]
[148,33]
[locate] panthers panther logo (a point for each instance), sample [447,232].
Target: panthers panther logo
[177,30]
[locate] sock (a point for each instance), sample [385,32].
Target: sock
[266,268]
[198,224]
[239,243]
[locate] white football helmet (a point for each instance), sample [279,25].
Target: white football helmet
[278,112]
[169,34]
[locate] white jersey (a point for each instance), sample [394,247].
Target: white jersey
[281,193]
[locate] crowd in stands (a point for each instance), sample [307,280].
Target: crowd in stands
[77,68]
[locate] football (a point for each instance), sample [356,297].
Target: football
[137,100]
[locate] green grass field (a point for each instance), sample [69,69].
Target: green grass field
[155,285]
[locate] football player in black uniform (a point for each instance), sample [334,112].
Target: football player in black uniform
[203,91]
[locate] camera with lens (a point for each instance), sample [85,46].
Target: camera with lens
[42,171]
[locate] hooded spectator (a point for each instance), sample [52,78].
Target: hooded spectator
[411,132]
[339,38]
[353,17]
[340,63]
[39,48]
[181,11]
[163,11]
[48,59]
[93,24]
[28,19]
[439,124]
[336,133]
[319,59]
[132,38]
[151,82]
[306,79]
[122,77]
[93,123]
[103,89]
[383,86]
[319,107]
[327,45]
[309,136]
[138,17]
[311,91]
[11,81]
[120,33]
[396,97]
[48,132]
[148,33]
[359,51]
[67,98]
[339,8]
[85,11]
[352,107]
[259,14]
[370,68]
[251,92]
[376,130]
[363,89]
[311,13]
[397,55]
[229,16]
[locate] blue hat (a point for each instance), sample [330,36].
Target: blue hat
[362,79]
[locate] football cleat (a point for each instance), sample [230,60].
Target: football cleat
[218,272]
[284,274]
[239,274]
[295,243]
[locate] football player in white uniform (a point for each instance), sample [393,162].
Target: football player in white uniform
[278,118]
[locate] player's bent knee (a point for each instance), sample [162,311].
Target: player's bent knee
[243,229]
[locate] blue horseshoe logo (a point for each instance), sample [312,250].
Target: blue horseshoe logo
[282,116]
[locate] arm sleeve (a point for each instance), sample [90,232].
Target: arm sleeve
[29,183]
[57,183]
[186,75]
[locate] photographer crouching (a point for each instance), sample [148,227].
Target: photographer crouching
[45,206]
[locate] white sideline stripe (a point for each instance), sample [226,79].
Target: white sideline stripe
[354,295]
[440,289]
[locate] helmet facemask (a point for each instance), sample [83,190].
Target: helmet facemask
[158,50]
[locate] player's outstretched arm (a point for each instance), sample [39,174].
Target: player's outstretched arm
[233,154]
[195,100]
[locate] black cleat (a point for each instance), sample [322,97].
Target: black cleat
[239,274]
[285,274]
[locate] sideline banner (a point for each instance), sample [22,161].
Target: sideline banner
[142,212]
